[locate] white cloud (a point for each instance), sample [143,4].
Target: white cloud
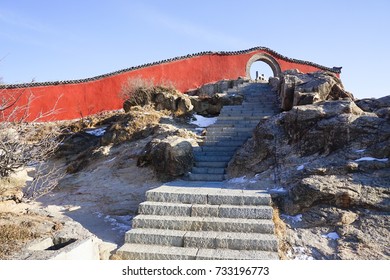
[186,28]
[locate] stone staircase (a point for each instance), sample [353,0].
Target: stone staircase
[187,223]
[234,126]
[203,217]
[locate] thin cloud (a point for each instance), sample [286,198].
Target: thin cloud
[188,29]
[23,22]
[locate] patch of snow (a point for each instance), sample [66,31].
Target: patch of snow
[109,160]
[372,159]
[359,151]
[98,132]
[277,190]
[298,253]
[119,223]
[331,235]
[238,180]
[203,121]
[294,219]
[252,181]
[301,167]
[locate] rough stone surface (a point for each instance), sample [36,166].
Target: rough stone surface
[223,254]
[331,161]
[170,157]
[296,88]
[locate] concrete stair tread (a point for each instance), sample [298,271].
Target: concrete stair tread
[204,224]
[211,164]
[205,210]
[132,251]
[203,239]
[207,170]
[206,177]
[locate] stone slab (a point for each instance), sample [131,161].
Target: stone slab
[223,254]
[153,252]
[161,237]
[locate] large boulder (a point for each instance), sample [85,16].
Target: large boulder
[160,98]
[296,88]
[170,157]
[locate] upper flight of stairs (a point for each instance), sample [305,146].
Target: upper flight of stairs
[185,223]
[233,127]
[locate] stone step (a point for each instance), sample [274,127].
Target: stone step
[212,158]
[228,137]
[228,129]
[215,149]
[246,114]
[203,239]
[204,224]
[235,144]
[241,117]
[234,123]
[259,108]
[204,195]
[214,153]
[206,177]
[218,164]
[205,170]
[237,131]
[206,210]
[131,251]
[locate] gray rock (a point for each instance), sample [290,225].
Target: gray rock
[170,157]
[301,89]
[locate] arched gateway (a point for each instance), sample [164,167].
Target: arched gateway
[77,98]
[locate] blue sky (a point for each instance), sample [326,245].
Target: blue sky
[69,39]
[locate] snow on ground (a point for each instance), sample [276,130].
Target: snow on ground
[331,235]
[298,253]
[372,159]
[118,223]
[98,132]
[359,151]
[301,167]
[203,121]
[242,180]
[277,190]
[293,219]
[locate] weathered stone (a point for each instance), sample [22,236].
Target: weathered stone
[170,157]
[301,89]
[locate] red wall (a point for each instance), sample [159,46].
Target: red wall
[82,99]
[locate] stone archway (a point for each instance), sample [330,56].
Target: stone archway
[265,58]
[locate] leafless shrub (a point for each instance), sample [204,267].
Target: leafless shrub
[46,178]
[140,92]
[25,143]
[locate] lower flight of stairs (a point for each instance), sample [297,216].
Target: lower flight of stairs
[184,223]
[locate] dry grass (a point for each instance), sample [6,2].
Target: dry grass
[18,229]
[13,237]
[280,231]
[138,123]
[142,90]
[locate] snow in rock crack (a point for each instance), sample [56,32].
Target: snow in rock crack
[371,159]
[98,132]
[331,235]
[203,121]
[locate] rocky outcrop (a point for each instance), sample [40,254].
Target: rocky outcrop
[170,157]
[212,105]
[296,88]
[332,161]
[160,98]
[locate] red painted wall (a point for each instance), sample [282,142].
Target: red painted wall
[82,99]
